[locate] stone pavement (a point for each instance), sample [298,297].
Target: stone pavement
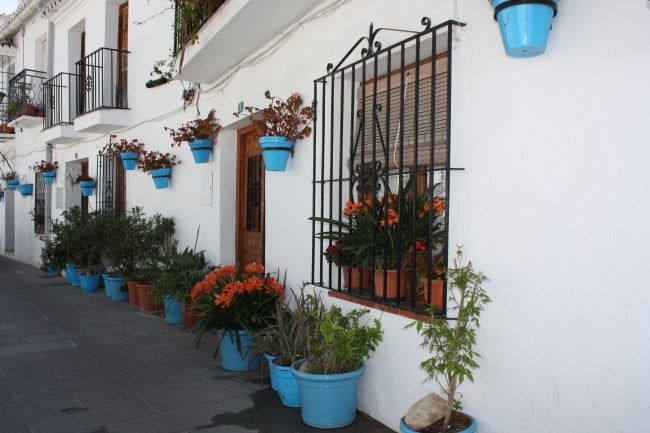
[72,362]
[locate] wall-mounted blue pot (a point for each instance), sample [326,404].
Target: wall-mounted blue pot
[49,177]
[201,150]
[276,151]
[525,25]
[129,160]
[87,187]
[26,189]
[161,177]
[12,184]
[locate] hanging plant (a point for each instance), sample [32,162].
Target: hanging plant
[159,166]
[201,134]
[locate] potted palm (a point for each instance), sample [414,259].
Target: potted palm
[451,345]
[329,377]
[47,169]
[159,166]
[233,303]
[201,134]
[282,123]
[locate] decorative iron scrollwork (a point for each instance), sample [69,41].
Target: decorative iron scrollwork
[89,83]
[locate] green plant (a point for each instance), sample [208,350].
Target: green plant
[452,343]
[343,343]
[180,273]
[10,175]
[12,108]
[52,254]
[154,159]
[196,129]
[290,330]
[81,236]
[283,118]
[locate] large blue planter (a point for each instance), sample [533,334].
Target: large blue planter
[201,150]
[52,271]
[49,177]
[405,429]
[129,160]
[12,184]
[525,26]
[269,359]
[327,400]
[107,292]
[117,288]
[161,177]
[276,151]
[69,267]
[73,276]
[287,386]
[89,283]
[173,310]
[87,187]
[26,189]
[231,358]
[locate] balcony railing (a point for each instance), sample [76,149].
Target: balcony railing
[103,77]
[190,16]
[61,101]
[26,94]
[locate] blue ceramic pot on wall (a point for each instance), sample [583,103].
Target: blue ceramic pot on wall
[233,359]
[49,177]
[26,189]
[161,177]
[87,187]
[276,151]
[12,184]
[201,150]
[129,160]
[525,25]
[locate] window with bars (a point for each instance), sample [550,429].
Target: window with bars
[39,204]
[381,170]
[110,194]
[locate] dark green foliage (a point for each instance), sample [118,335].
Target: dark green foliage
[180,272]
[81,236]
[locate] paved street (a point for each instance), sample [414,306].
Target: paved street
[73,362]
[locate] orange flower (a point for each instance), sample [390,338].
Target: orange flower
[393,218]
[437,205]
[254,268]
[352,208]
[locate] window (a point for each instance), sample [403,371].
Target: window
[39,204]
[111,184]
[381,171]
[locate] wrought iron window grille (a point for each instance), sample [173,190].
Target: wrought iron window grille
[39,204]
[382,141]
[110,193]
[26,94]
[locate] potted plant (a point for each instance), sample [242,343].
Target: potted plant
[286,339]
[355,276]
[128,150]
[159,166]
[11,178]
[429,252]
[26,189]
[87,184]
[451,345]
[525,25]
[47,169]
[12,109]
[52,256]
[233,303]
[201,134]
[181,271]
[282,123]
[329,378]
[164,75]
[64,230]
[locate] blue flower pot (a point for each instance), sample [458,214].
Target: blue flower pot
[327,400]
[201,150]
[269,359]
[129,160]
[89,283]
[117,288]
[12,184]
[69,267]
[87,187]
[405,429]
[2,195]
[287,386]
[231,358]
[524,27]
[173,310]
[26,189]
[49,177]
[73,276]
[276,151]
[107,292]
[52,271]
[161,177]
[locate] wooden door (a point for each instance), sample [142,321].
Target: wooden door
[122,58]
[250,198]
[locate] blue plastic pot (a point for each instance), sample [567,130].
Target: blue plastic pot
[287,386]
[234,360]
[269,359]
[161,177]
[2,195]
[107,292]
[89,283]
[49,177]
[52,271]
[327,400]
[26,189]
[524,27]
[69,267]
[173,310]
[73,276]
[129,160]
[117,288]
[276,151]
[201,150]
[87,187]
[405,429]
[12,184]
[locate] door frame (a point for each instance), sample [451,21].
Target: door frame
[240,198]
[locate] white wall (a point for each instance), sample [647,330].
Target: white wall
[551,205]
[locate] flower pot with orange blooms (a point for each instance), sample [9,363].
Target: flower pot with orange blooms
[355,277]
[234,303]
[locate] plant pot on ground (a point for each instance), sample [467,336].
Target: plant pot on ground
[328,380]
[451,345]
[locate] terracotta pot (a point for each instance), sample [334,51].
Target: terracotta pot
[145,297]
[30,110]
[437,292]
[6,129]
[391,284]
[133,293]
[189,320]
[355,278]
